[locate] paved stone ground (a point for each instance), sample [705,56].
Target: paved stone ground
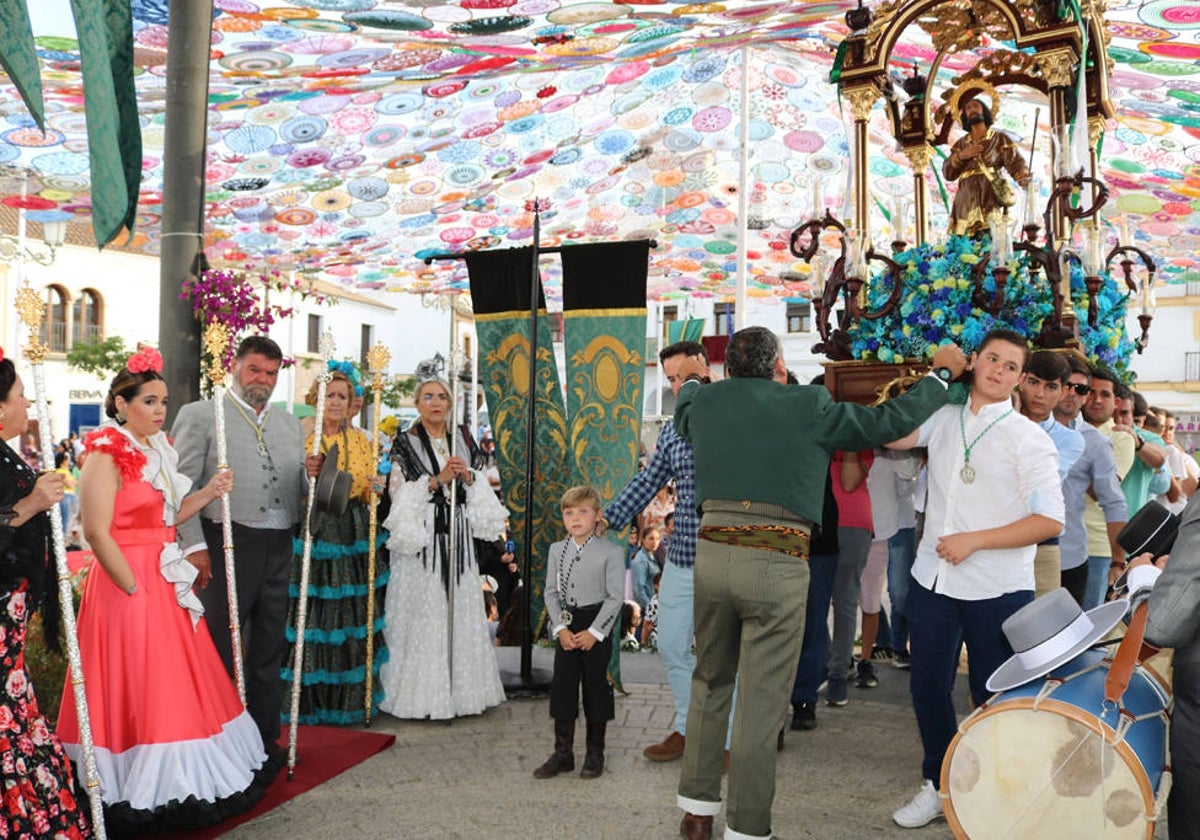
[472,778]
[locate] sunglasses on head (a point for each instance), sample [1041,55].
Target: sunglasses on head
[1080,388]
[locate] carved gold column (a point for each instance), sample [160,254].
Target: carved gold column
[918,158]
[861,99]
[1057,66]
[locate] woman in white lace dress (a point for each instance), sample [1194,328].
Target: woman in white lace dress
[420,679]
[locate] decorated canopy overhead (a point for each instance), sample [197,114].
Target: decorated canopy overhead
[353,138]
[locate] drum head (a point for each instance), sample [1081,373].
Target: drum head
[1015,773]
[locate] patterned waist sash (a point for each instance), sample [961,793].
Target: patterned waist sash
[781,538]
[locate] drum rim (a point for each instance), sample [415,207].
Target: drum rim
[1064,709]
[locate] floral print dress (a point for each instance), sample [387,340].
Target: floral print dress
[37,781]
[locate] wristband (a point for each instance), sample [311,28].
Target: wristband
[1140,443]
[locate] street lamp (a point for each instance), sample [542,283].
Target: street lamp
[17,248]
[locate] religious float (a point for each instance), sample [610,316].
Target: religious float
[1034,258]
[1077,753]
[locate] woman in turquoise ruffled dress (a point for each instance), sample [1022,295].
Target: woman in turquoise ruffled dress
[333,685]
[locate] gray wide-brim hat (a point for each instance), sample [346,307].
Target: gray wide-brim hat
[1049,632]
[332,494]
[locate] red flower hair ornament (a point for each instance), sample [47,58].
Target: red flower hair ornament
[147,358]
[1,354]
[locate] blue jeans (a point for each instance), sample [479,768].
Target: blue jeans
[937,623]
[1097,581]
[811,668]
[676,627]
[902,551]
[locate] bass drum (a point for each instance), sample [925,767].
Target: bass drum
[1049,760]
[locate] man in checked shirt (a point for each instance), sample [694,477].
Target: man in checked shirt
[672,459]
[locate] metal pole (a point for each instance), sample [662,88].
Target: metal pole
[323,378]
[31,309]
[189,39]
[739,308]
[452,560]
[378,359]
[216,340]
[530,436]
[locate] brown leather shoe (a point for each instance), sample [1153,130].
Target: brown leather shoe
[669,749]
[695,827]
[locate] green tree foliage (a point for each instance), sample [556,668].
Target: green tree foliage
[397,391]
[102,358]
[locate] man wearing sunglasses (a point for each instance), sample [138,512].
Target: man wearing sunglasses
[1041,388]
[1093,476]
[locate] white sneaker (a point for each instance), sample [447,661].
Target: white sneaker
[924,808]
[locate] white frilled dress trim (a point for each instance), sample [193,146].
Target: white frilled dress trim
[181,575]
[410,521]
[484,511]
[150,776]
[161,472]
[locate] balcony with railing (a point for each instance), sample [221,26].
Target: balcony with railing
[54,336]
[86,333]
[1191,366]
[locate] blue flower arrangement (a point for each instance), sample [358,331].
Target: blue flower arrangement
[936,307]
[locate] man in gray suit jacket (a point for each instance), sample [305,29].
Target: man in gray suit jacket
[265,448]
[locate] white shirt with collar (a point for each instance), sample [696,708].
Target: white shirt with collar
[1016,475]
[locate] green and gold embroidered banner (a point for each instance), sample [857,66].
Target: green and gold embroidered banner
[604,333]
[501,283]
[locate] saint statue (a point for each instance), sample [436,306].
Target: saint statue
[975,162]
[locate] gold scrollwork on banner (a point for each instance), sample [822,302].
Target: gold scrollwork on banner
[605,378]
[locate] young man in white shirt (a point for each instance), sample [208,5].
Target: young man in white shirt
[994,494]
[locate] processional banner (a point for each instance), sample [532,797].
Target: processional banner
[604,334]
[500,291]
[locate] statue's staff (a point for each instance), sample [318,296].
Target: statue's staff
[31,310]
[216,344]
[378,359]
[323,378]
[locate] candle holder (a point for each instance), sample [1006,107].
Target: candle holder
[1145,290]
[849,278]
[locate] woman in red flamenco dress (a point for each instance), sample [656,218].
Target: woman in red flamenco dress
[174,746]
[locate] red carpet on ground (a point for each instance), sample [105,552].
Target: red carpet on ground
[322,752]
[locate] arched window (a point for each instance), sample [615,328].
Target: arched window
[54,325]
[87,316]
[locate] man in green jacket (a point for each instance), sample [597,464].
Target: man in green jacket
[762,452]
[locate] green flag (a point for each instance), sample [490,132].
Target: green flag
[105,32]
[19,58]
